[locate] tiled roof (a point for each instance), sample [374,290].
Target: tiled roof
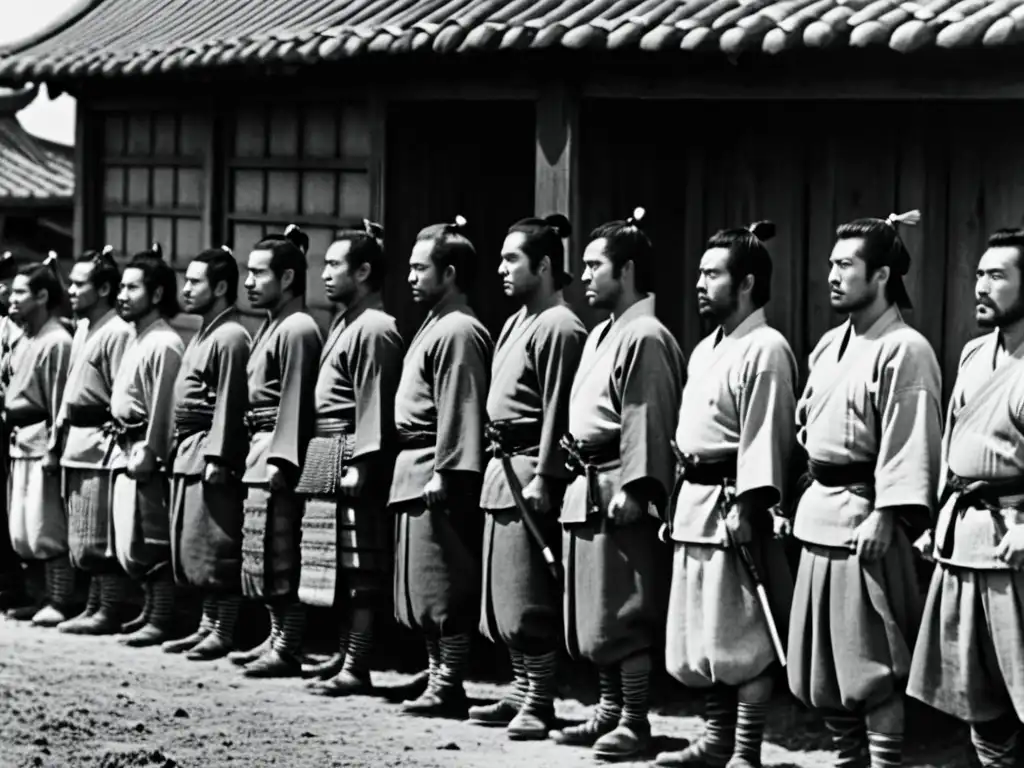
[31,169]
[136,37]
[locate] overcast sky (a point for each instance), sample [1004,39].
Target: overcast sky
[50,118]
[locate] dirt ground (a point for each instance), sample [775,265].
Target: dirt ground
[75,701]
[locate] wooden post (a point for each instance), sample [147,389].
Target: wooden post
[378,157]
[557,176]
[84,180]
[557,153]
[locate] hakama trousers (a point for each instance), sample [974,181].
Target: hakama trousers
[141,526]
[852,626]
[969,658]
[614,600]
[206,533]
[437,567]
[717,632]
[520,598]
[89,513]
[37,522]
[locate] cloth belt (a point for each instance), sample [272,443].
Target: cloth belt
[857,476]
[986,494]
[125,432]
[410,439]
[720,471]
[327,456]
[514,436]
[261,419]
[191,420]
[588,461]
[25,418]
[87,415]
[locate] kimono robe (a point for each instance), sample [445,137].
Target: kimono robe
[39,367]
[211,396]
[531,377]
[969,658]
[623,407]
[96,354]
[282,372]
[440,409]
[346,544]
[737,410]
[871,400]
[142,399]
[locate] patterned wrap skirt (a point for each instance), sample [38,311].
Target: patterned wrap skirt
[521,601]
[346,544]
[88,498]
[36,518]
[717,631]
[853,626]
[969,657]
[141,525]
[270,543]
[206,533]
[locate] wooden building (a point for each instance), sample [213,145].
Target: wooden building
[37,183]
[213,121]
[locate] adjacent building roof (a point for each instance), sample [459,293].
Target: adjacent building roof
[139,37]
[32,170]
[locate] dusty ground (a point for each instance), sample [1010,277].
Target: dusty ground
[72,701]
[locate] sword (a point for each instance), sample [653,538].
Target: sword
[493,434]
[762,594]
[576,463]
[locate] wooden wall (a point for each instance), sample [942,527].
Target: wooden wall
[808,166]
[448,158]
[192,180]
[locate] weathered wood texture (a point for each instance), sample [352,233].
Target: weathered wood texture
[699,166]
[449,158]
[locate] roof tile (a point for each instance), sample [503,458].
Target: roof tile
[31,168]
[139,37]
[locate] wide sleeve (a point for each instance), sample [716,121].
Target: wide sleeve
[227,441]
[909,428]
[298,352]
[376,370]
[461,364]
[767,408]
[650,388]
[114,351]
[163,365]
[53,372]
[556,353]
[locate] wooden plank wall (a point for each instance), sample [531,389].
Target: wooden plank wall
[701,166]
[447,158]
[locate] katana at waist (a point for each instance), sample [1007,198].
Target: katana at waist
[126,431]
[514,436]
[87,416]
[584,458]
